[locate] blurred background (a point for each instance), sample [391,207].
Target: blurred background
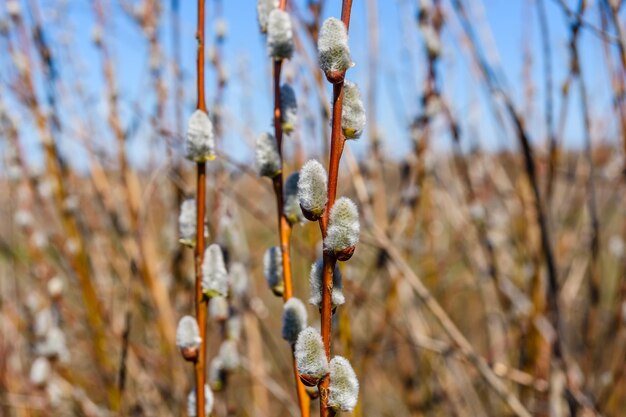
[490,179]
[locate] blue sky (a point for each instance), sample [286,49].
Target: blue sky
[399,81]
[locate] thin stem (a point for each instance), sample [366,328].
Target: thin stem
[201,304]
[284,228]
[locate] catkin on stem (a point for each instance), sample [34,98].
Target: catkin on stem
[353,117]
[267,157]
[273,270]
[343,389]
[316,284]
[312,189]
[343,226]
[214,275]
[310,356]
[200,139]
[279,35]
[333,49]
[291,203]
[294,319]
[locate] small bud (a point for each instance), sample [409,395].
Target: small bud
[40,372]
[214,275]
[216,374]
[229,356]
[279,35]
[315,281]
[218,308]
[273,270]
[239,282]
[56,287]
[263,9]
[188,338]
[343,229]
[294,319]
[291,203]
[288,108]
[208,402]
[353,113]
[267,157]
[13,8]
[310,356]
[187,223]
[333,49]
[312,189]
[200,140]
[343,389]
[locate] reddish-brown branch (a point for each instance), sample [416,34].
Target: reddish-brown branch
[201,304]
[284,228]
[337,143]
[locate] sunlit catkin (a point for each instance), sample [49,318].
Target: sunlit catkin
[333,49]
[315,281]
[343,389]
[312,189]
[343,228]
[294,319]
[267,157]
[273,270]
[188,337]
[200,139]
[279,35]
[353,114]
[310,356]
[214,275]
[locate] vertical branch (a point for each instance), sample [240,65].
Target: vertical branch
[201,304]
[337,142]
[284,228]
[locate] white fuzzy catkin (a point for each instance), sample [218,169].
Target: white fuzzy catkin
[343,389]
[267,157]
[187,222]
[208,402]
[315,281]
[263,10]
[332,46]
[228,355]
[218,308]
[310,355]
[214,275]
[188,333]
[238,279]
[312,187]
[353,117]
[279,35]
[54,345]
[294,319]
[343,226]
[200,139]
[291,202]
[56,285]
[273,269]
[288,108]
[39,372]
